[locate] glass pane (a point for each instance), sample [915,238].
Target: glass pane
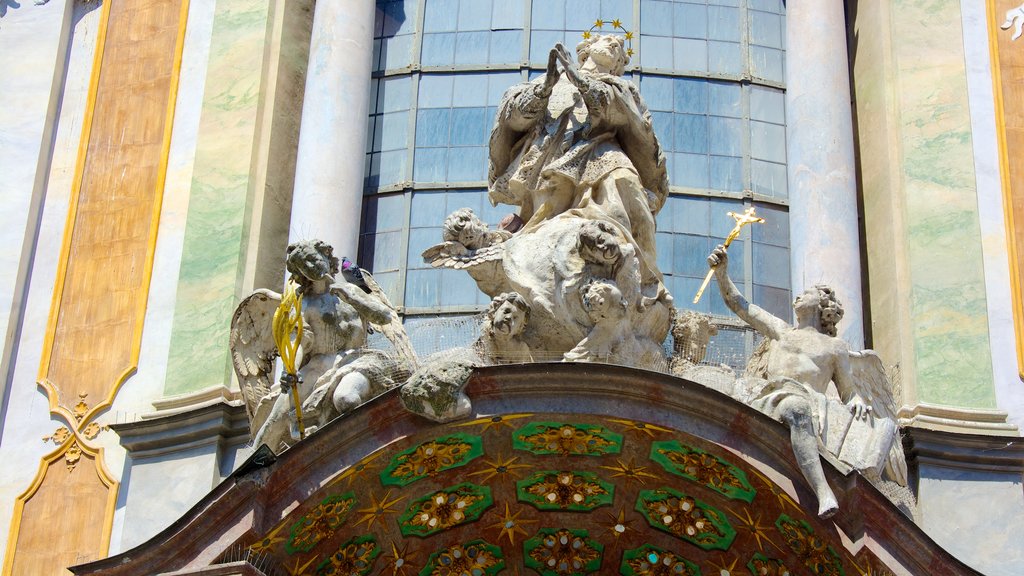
[691,133]
[777,301]
[656,52]
[438,49]
[662,122]
[724,99]
[506,47]
[690,55]
[771,265]
[726,174]
[432,126]
[430,164]
[421,288]
[656,17]
[690,170]
[440,15]
[399,18]
[767,104]
[766,63]
[394,130]
[548,15]
[397,52]
[664,253]
[468,127]
[691,253]
[691,95]
[765,29]
[467,165]
[581,14]
[657,92]
[470,90]
[768,141]
[497,83]
[768,178]
[721,222]
[507,15]
[392,167]
[541,43]
[387,251]
[692,215]
[458,289]
[471,47]
[723,24]
[435,90]
[428,209]
[724,136]
[474,15]
[394,93]
[419,240]
[775,229]
[724,57]
[691,21]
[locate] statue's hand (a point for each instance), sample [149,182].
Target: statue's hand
[551,77]
[569,65]
[858,407]
[719,259]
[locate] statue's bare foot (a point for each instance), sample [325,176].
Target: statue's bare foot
[827,507]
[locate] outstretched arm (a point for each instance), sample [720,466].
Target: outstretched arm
[369,308]
[758,318]
[525,104]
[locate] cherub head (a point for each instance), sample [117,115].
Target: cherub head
[821,301]
[508,314]
[607,50]
[310,260]
[603,301]
[464,227]
[691,334]
[599,243]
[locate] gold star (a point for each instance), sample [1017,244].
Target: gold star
[754,526]
[723,569]
[640,427]
[781,496]
[617,524]
[500,467]
[296,569]
[267,543]
[401,559]
[586,35]
[599,24]
[631,472]
[511,525]
[356,471]
[629,35]
[868,570]
[494,421]
[616,23]
[377,510]
[629,52]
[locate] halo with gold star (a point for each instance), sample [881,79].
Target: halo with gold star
[615,25]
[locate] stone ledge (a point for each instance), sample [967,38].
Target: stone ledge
[178,429]
[982,452]
[957,420]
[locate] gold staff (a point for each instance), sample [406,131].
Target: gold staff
[742,220]
[287,327]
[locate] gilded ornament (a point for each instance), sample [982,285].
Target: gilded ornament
[444,509]
[431,457]
[566,490]
[567,439]
[814,553]
[562,552]
[353,558]
[319,523]
[686,517]
[476,558]
[703,468]
[649,560]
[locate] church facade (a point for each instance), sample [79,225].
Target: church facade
[159,156]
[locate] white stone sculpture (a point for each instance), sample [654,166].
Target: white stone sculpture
[502,329]
[334,372]
[576,152]
[788,378]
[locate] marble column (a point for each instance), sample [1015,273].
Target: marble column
[328,196]
[824,237]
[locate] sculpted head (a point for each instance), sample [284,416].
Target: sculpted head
[691,334]
[599,243]
[508,314]
[820,300]
[607,50]
[603,301]
[310,260]
[464,227]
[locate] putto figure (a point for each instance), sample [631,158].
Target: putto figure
[336,316]
[791,374]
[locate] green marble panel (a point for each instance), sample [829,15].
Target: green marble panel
[943,233]
[217,225]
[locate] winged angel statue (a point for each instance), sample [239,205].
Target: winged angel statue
[789,374]
[335,372]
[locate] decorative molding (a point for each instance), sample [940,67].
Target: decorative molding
[1012,248]
[174,431]
[1015,20]
[950,419]
[977,452]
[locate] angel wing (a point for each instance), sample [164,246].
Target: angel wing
[393,329]
[252,348]
[871,380]
[457,257]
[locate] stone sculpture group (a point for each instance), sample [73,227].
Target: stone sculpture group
[572,277]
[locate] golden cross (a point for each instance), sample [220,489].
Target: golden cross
[742,219]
